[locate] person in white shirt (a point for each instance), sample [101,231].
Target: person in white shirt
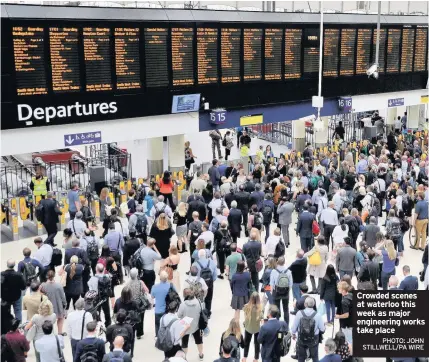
[47,346]
[338,199]
[368,201]
[272,241]
[398,125]
[216,202]
[340,232]
[207,236]
[198,183]
[77,226]
[329,220]
[76,324]
[399,197]
[161,206]
[226,185]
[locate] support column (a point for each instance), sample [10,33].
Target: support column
[154,156]
[321,136]
[298,135]
[137,149]
[392,113]
[413,117]
[176,153]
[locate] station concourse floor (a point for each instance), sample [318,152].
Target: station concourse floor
[221,310]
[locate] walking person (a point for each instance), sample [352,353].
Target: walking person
[390,260]
[149,256]
[138,289]
[281,282]
[285,210]
[166,189]
[252,250]
[253,315]
[57,297]
[305,228]
[216,136]
[50,215]
[317,266]
[240,289]
[76,324]
[12,287]
[228,143]
[74,284]
[73,200]
[328,290]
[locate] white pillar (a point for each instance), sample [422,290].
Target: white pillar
[321,136]
[176,153]
[392,113]
[413,115]
[137,149]
[298,135]
[154,156]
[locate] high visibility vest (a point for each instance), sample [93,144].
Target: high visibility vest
[39,186]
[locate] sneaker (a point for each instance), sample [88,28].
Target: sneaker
[294,356]
[421,249]
[201,357]
[413,247]
[220,276]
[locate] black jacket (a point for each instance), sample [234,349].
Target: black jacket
[242,198]
[328,288]
[256,198]
[12,283]
[252,252]
[130,247]
[128,328]
[230,197]
[369,272]
[249,186]
[74,286]
[98,344]
[299,270]
[80,253]
[305,225]
[50,211]
[235,218]
[199,206]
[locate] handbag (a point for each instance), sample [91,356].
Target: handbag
[142,301]
[315,228]
[167,268]
[315,258]
[60,353]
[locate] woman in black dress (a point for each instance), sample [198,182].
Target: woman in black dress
[162,232]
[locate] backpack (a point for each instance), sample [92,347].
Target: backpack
[306,330]
[172,296]
[89,353]
[235,351]
[405,225]
[283,342]
[29,273]
[203,320]
[225,242]
[158,212]
[197,288]
[121,331]
[206,273]
[214,225]
[282,286]
[40,212]
[375,206]
[141,224]
[133,317]
[347,204]
[395,231]
[257,221]
[267,214]
[104,288]
[92,249]
[224,142]
[112,357]
[164,341]
[196,231]
[136,260]
[57,257]
[353,225]
[214,135]
[280,249]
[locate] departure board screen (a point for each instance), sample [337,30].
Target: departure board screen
[363,51]
[420,53]
[96,46]
[182,56]
[273,54]
[28,53]
[393,47]
[155,43]
[63,45]
[252,54]
[407,54]
[127,58]
[311,50]
[382,51]
[230,54]
[293,38]
[330,52]
[347,60]
[207,40]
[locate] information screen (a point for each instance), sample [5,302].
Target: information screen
[393,46]
[28,53]
[420,54]
[207,40]
[252,54]
[273,53]
[293,38]
[182,56]
[347,60]
[363,55]
[127,58]
[63,45]
[407,54]
[330,52]
[96,46]
[311,50]
[230,55]
[155,42]
[381,59]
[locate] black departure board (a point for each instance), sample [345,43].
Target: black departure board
[311,50]
[63,45]
[127,58]
[252,54]
[207,40]
[393,47]
[96,46]
[330,52]
[407,52]
[293,38]
[230,54]
[382,49]
[182,56]
[347,59]
[420,53]
[273,54]
[28,53]
[155,43]
[363,51]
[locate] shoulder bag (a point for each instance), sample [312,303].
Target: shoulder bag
[60,353]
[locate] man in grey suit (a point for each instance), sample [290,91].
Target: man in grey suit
[285,210]
[370,232]
[305,228]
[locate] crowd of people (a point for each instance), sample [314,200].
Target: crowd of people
[350,214]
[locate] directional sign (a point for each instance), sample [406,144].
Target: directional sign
[82,138]
[396,102]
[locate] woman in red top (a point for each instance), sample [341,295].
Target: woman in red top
[166,188]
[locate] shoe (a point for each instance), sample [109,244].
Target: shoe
[201,356]
[421,249]
[293,313]
[220,157]
[413,247]
[64,334]
[313,292]
[187,273]
[294,356]
[220,276]
[139,337]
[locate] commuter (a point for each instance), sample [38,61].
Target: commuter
[339,130]
[75,250]
[272,242]
[305,228]
[68,238]
[284,211]
[281,282]
[267,210]
[17,342]
[240,292]
[232,336]
[421,221]
[393,283]
[105,202]
[73,200]
[198,184]
[346,262]
[171,264]
[130,247]
[115,241]
[74,284]
[222,243]
[159,293]
[216,136]
[148,202]
[31,302]
[123,330]
[343,347]
[298,270]
[245,139]
[181,226]
[101,283]
[390,259]
[328,292]
[252,250]
[159,208]
[346,316]
[370,232]
[196,204]
[242,198]
[214,175]
[329,220]
[12,286]
[43,255]
[189,155]
[330,349]
[253,315]
[194,231]
[27,267]
[55,293]
[40,184]
[162,231]
[76,322]
[228,143]
[206,235]
[91,244]
[196,284]
[50,214]
[235,219]
[90,345]
[149,255]
[87,215]
[409,282]
[225,354]
[393,230]
[117,352]
[50,346]
[368,273]
[138,289]
[138,223]
[166,189]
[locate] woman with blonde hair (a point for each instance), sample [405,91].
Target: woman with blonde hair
[171,264]
[390,261]
[180,220]
[234,335]
[162,231]
[104,201]
[253,314]
[74,283]
[55,293]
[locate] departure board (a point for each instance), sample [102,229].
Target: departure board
[127,58]
[28,53]
[393,47]
[330,52]
[230,54]
[63,45]
[311,50]
[347,59]
[96,46]
[182,56]
[252,54]
[363,51]
[273,54]
[207,40]
[382,50]
[407,52]
[293,39]
[155,43]
[420,53]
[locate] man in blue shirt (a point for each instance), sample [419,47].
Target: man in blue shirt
[421,212]
[410,282]
[28,260]
[114,240]
[362,165]
[73,200]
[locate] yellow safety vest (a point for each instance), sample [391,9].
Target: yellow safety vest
[39,186]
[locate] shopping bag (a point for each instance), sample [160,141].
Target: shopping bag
[321,309]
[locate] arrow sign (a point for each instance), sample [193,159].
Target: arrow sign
[85,138]
[395,102]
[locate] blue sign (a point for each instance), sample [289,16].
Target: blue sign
[218,116]
[345,103]
[396,102]
[86,138]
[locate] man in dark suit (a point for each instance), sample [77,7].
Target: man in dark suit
[90,343]
[235,218]
[410,282]
[252,250]
[249,185]
[229,197]
[12,285]
[196,205]
[305,228]
[257,197]
[368,273]
[268,335]
[242,197]
[50,216]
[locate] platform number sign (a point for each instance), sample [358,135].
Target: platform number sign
[345,103]
[218,116]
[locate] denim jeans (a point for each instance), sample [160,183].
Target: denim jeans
[296,291]
[269,297]
[305,243]
[385,278]
[17,308]
[401,244]
[330,310]
[344,272]
[158,317]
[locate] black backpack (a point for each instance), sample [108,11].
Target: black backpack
[257,221]
[375,206]
[104,288]
[283,342]
[172,296]
[235,351]
[195,231]
[92,249]
[29,273]
[57,257]
[141,224]
[121,331]
[40,212]
[280,249]
[267,213]
[206,274]
[224,142]
[225,242]
[89,353]
[306,329]
[136,260]
[160,211]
